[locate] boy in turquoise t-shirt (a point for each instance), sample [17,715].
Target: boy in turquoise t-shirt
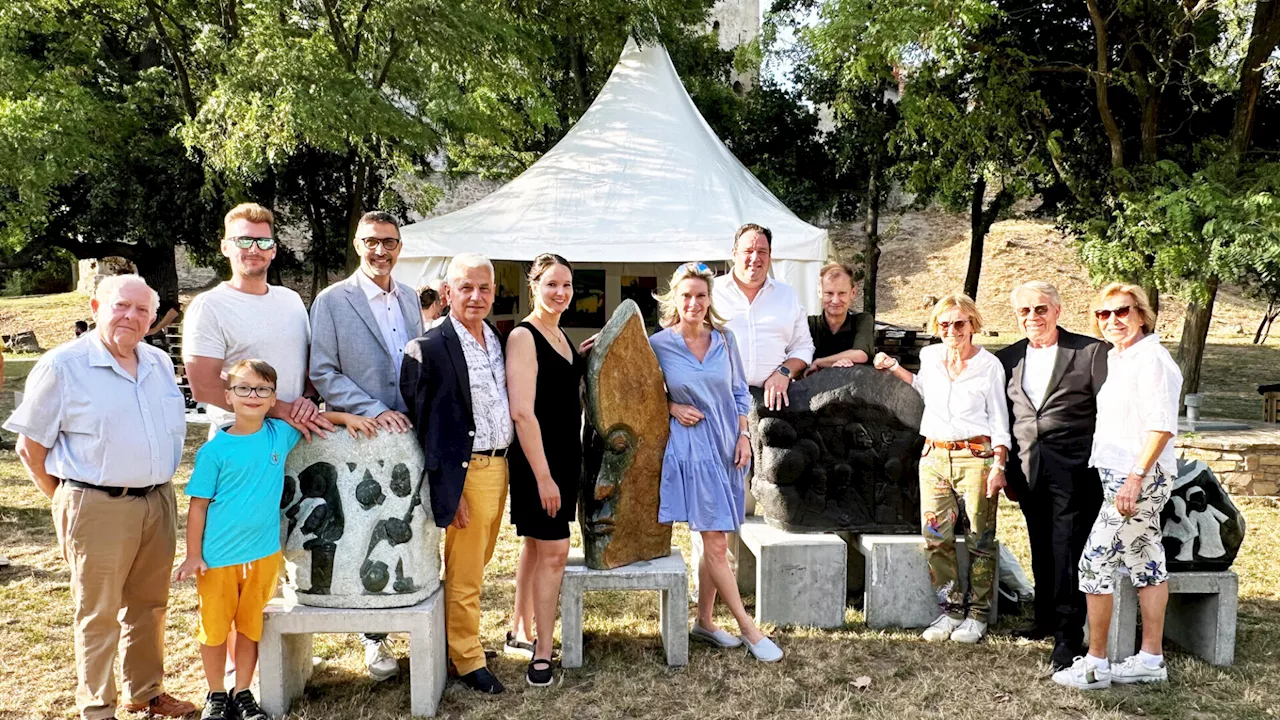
[233,531]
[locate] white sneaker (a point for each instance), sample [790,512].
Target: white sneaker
[381,664]
[970,631]
[941,628]
[1133,670]
[1082,675]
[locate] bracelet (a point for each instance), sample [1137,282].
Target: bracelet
[1001,468]
[744,434]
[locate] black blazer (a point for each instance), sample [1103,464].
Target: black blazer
[1057,437]
[436,388]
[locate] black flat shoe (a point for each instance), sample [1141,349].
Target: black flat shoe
[539,673]
[482,681]
[1063,656]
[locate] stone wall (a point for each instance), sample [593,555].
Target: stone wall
[1247,462]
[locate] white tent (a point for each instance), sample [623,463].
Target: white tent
[638,185]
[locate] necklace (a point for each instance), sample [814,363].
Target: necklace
[554,337]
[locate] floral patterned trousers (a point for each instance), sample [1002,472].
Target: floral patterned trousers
[1134,540]
[951,482]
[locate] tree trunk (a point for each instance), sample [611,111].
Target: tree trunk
[159,268]
[1267,317]
[980,222]
[355,208]
[1195,333]
[977,238]
[871,253]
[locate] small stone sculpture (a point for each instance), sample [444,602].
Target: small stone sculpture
[843,455]
[624,441]
[356,522]
[1201,527]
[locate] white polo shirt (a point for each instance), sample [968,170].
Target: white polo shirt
[770,330]
[101,425]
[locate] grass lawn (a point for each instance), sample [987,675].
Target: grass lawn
[624,675]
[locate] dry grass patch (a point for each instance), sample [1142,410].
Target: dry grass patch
[52,317]
[624,675]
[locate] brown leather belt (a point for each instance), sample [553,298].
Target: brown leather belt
[113,491]
[980,445]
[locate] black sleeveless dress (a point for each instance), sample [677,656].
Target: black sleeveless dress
[558,407]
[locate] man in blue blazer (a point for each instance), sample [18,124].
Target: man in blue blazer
[357,370]
[454,383]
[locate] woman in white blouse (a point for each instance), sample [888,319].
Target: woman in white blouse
[1133,452]
[966,430]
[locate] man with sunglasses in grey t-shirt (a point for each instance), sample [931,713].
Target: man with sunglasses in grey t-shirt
[246,318]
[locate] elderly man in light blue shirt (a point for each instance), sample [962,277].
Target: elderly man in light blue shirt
[100,432]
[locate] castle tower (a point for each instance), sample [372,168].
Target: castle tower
[736,22]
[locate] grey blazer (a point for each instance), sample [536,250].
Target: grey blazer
[351,366]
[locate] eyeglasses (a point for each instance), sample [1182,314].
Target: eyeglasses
[262,391]
[244,242]
[388,243]
[1039,310]
[958,325]
[1104,314]
[697,267]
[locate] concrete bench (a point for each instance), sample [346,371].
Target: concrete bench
[897,590]
[285,651]
[1200,618]
[667,575]
[797,578]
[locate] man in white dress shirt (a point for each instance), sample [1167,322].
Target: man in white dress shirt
[359,328]
[765,315]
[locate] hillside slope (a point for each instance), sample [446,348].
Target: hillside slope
[928,254]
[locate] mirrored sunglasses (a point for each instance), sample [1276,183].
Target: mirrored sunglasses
[244,242]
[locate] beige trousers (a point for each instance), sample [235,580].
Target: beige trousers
[121,555]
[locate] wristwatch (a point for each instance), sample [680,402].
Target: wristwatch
[784,371]
[745,434]
[1139,470]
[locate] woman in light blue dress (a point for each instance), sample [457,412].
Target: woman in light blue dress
[705,465]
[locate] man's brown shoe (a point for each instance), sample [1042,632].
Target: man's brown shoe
[164,705]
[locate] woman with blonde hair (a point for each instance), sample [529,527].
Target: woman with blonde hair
[1133,453]
[704,468]
[543,377]
[966,431]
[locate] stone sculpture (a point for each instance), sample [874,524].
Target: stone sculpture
[844,455]
[623,444]
[1201,527]
[356,522]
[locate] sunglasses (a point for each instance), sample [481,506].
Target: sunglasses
[697,267]
[387,243]
[244,242]
[1039,310]
[958,326]
[244,391]
[1103,315]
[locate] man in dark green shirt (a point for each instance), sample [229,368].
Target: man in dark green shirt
[841,338]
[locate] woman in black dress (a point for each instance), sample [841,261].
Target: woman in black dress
[544,373]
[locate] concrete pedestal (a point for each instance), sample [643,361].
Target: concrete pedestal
[799,578]
[285,651]
[1200,618]
[897,588]
[667,575]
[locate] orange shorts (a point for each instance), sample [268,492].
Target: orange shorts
[236,593]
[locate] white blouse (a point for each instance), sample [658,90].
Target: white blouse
[1139,396]
[973,404]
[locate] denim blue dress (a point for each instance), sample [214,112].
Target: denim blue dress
[700,485]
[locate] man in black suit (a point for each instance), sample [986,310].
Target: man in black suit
[454,383]
[1053,377]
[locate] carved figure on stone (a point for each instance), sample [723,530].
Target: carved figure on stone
[623,444]
[356,526]
[842,456]
[1201,527]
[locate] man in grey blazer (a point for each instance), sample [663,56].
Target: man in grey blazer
[1053,380]
[359,328]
